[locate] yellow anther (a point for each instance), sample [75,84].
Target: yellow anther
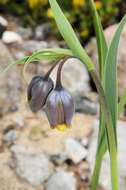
[62,127]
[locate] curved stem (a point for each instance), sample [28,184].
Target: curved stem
[59,62]
[58,80]
[51,69]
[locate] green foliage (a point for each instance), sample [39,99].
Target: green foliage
[2,2]
[45,54]
[77,12]
[107,87]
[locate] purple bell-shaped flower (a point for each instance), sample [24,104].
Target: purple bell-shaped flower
[60,105]
[38,91]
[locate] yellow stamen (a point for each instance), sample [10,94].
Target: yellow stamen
[62,127]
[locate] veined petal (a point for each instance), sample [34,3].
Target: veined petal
[38,91]
[60,109]
[69,106]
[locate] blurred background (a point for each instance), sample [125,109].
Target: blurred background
[33,156]
[35,12]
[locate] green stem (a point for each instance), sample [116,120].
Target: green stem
[98,162]
[96,172]
[114,172]
[102,52]
[109,130]
[94,180]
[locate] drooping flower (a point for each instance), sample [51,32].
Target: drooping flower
[38,91]
[60,109]
[60,105]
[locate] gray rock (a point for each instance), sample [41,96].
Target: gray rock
[10,136]
[33,45]
[25,33]
[8,179]
[84,105]
[123,183]
[5,56]
[61,180]
[91,49]
[3,21]
[85,142]
[75,77]
[42,31]
[9,37]
[75,151]
[34,167]
[105,172]
[59,159]
[10,83]
[3,25]
[18,55]
[19,122]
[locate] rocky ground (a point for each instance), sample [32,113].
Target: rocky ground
[33,156]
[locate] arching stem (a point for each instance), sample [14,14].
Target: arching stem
[58,79]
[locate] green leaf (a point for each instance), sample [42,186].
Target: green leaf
[69,35]
[70,38]
[45,54]
[21,61]
[111,84]
[101,41]
[52,54]
[102,53]
[111,74]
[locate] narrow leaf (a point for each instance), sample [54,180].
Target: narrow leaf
[45,54]
[69,35]
[111,73]
[102,52]
[101,41]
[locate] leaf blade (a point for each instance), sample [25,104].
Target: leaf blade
[101,41]
[69,35]
[111,89]
[45,54]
